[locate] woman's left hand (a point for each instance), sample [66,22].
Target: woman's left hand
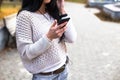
[60,4]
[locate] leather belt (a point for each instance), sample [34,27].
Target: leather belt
[61,69]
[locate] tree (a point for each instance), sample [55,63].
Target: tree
[11,0]
[0,4]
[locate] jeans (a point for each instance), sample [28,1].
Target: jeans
[61,76]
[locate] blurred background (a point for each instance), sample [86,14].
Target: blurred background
[94,56]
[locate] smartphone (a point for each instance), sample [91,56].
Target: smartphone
[63,20]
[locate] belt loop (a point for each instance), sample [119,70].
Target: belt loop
[67,60]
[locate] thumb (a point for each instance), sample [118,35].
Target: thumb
[54,23]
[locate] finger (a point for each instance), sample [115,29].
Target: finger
[59,35]
[54,23]
[61,30]
[62,25]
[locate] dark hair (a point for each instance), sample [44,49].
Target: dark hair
[34,5]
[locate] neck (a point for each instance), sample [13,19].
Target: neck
[42,9]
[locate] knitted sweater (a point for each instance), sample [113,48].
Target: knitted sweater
[37,52]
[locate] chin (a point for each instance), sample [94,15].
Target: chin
[47,1]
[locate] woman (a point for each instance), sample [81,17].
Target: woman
[39,42]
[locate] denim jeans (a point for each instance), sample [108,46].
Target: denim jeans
[61,76]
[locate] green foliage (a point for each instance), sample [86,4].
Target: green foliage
[0,4]
[79,1]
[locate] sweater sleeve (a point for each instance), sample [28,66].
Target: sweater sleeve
[70,33]
[25,45]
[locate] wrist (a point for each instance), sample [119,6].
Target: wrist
[62,11]
[48,36]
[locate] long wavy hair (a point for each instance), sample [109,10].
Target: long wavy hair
[34,5]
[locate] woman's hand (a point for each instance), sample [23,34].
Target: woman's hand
[60,4]
[56,31]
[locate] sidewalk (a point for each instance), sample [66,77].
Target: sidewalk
[94,56]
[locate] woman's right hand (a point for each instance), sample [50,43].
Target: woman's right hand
[56,31]
[60,4]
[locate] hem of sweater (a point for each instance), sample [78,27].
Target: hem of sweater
[56,65]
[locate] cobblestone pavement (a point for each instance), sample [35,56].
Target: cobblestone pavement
[94,56]
[11,67]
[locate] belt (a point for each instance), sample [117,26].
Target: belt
[61,69]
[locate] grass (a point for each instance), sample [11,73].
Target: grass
[79,1]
